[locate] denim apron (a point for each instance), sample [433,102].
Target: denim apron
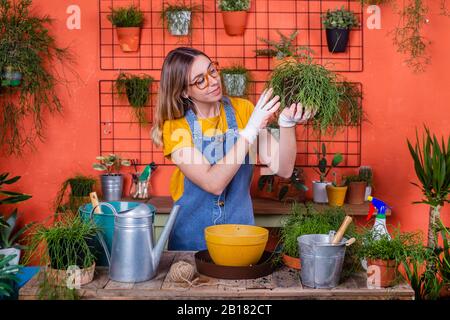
[199,208]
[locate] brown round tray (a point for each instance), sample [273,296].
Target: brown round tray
[207,267]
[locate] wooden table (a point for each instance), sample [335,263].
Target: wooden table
[284,283]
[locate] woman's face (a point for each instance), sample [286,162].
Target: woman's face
[204,81]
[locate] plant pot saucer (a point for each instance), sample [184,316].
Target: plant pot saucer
[207,267]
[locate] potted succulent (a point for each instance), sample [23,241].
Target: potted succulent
[112,181]
[128,22]
[336,192]
[9,232]
[283,50]
[234,15]
[338,23]
[137,90]
[320,187]
[80,188]
[236,80]
[179,18]
[366,174]
[63,246]
[356,189]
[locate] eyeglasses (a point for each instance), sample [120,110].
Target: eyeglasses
[203,81]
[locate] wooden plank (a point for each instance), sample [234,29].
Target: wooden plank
[163,268]
[101,279]
[115,285]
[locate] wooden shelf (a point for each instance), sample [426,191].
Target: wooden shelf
[262,206]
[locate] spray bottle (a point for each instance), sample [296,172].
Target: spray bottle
[379,227]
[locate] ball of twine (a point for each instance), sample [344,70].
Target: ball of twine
[181,271]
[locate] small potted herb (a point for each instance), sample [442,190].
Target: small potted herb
[336,192]
[320,187]
[356,189]
[80,187]
[283,50]
[112,181]
[234,14]
[137,90]
[236,80]
[338,23]
[128,22]
[179,18]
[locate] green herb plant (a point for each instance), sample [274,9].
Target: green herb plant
[234,5]
[80,187]
[137,90]
[126,17]
[339,19]
[111,164]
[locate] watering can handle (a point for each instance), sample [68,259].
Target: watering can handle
[99,233]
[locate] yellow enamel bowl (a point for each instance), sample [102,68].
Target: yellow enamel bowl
[236,245]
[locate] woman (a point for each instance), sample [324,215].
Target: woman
[208,137]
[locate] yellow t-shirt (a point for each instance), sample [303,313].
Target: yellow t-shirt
[176,135]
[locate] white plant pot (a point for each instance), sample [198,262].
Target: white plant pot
[9,252]
[368,192]
[179,22]
[320,191]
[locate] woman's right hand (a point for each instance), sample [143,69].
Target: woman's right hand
[264,109]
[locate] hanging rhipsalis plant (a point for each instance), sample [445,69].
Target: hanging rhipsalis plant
[28,53]
[137,90]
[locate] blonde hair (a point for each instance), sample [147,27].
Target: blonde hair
[173,84]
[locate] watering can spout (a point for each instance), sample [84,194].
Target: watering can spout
[157,252]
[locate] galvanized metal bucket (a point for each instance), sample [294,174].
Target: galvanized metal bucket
[321,261]
[112,186]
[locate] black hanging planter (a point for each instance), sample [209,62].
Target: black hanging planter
[337,39]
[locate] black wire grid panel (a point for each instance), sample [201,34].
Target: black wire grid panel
[208,34]
[121,133]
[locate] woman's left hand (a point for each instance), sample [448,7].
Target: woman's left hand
[296,113]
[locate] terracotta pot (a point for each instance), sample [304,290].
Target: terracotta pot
[276,62]
[234,22]
[336,195]
[291,262]
[129,38]
[356,192]
[387,270]
[60,276]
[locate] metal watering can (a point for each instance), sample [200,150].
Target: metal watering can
[133,258]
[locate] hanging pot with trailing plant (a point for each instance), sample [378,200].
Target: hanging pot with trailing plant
[338,23]
[137,90]
[128,22]
[235,80]
[234,15]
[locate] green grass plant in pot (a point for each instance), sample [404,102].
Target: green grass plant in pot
[336,192]
[137,89]
[320,187]
[112,181]
[128,22]
[236,80]
[178,17]
[234,15]
[80,187]
[338,23]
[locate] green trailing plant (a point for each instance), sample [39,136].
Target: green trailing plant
[8,276]
[432,167]
[315,87]
[171,15]
[137,90]
[322,164]
[351,108]
[27,46]
[234,5]
[234,85]
[283,48]
[80,188]
[339,19]
[111,164]
[366,174]
[126,17]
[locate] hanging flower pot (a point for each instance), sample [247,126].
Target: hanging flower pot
[179,22]
[234,15]
[11,77]
[128,22]
[336,195]
[235,81]
[338,24]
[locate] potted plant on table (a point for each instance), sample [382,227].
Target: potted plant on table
[80,187]
[9,232]
[320,187]
[128,22]
[356,189]
[336,192]
[236,80]
[112,181]
[137,90]
[179,17]
[338,23]
[366,174]
[234,14]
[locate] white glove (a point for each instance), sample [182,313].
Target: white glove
[293,115]
[263,110]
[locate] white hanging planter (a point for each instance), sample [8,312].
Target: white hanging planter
[235,84]
[179,22]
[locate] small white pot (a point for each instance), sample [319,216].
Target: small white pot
[368,192]
[9,252]
[320,191]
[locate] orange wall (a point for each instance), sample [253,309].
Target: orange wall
[396,101]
